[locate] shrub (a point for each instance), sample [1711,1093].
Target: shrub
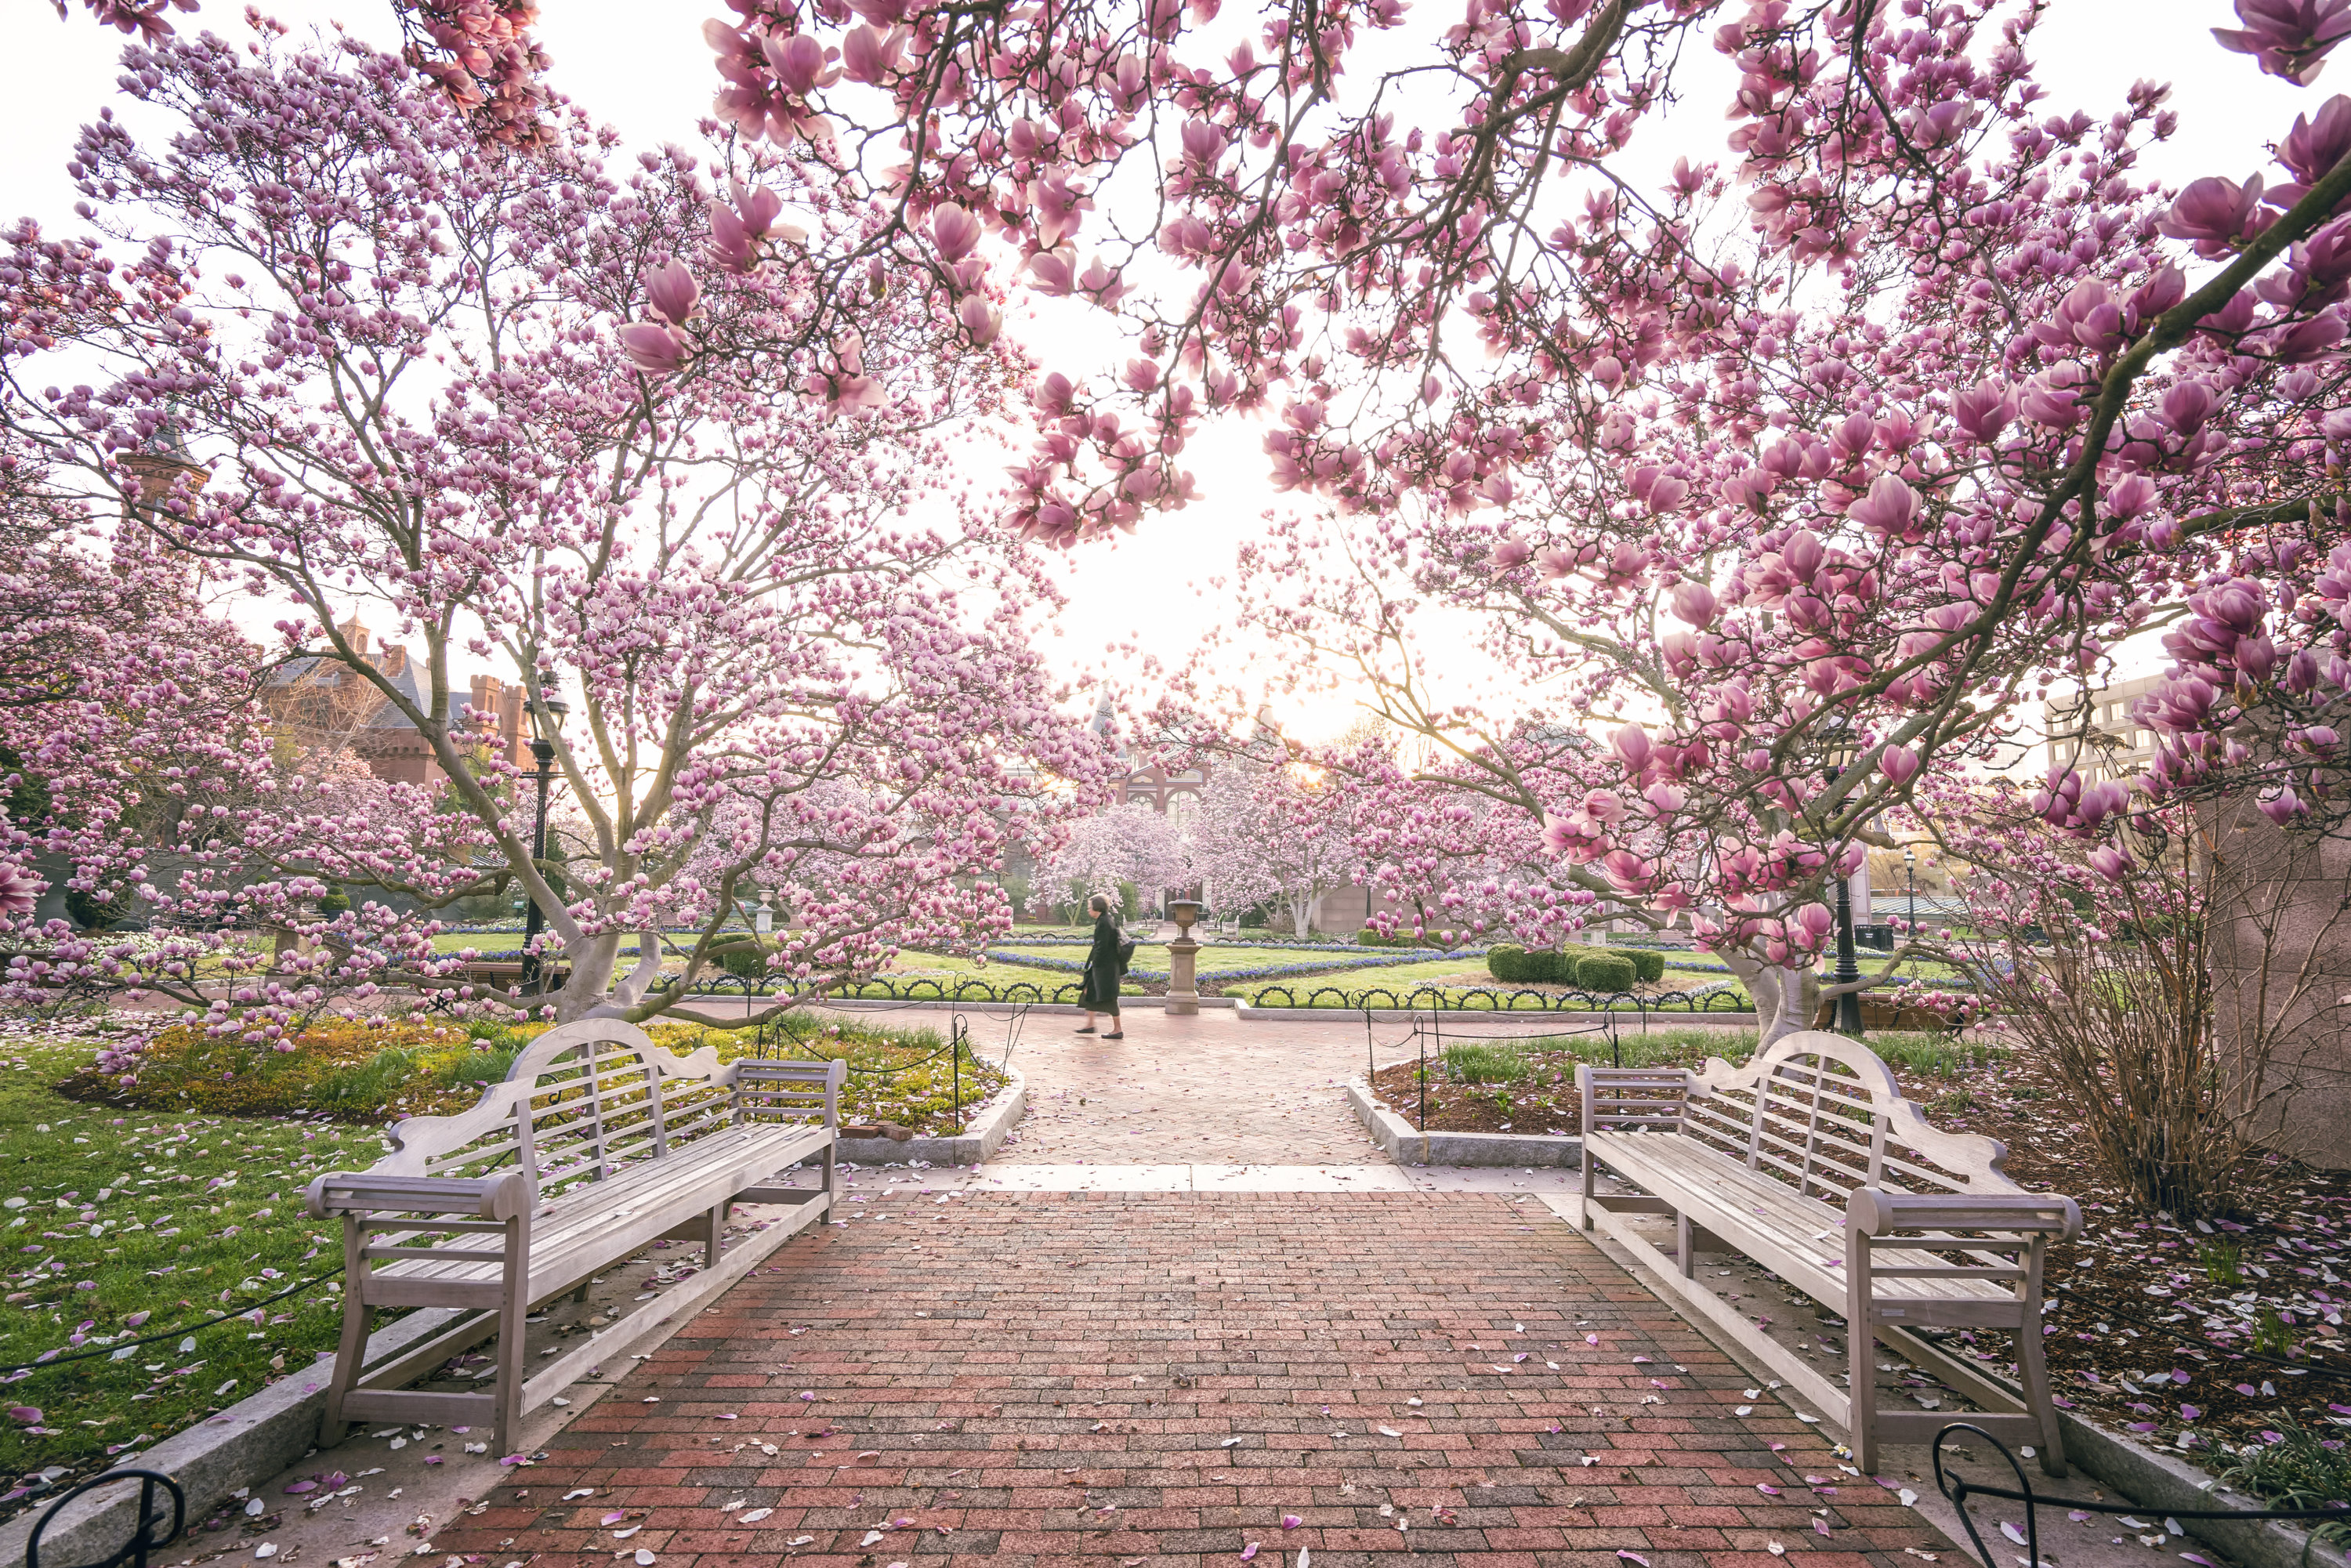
[1507,961]
[334,902]
[747,959]
[1648,965]
[89,914]
[1603,971]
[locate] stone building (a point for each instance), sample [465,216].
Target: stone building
[2096,733]
[319,704]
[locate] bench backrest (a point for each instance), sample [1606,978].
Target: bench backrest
[583,1100]
[1818,1111]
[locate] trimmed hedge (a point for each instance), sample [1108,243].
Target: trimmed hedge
[1603,971]
[747,962]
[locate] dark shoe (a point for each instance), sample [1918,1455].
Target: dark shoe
[1115,1034]
[1088,1029]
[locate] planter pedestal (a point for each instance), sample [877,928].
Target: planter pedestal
[1183,989]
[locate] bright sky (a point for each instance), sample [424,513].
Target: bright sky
[646,70]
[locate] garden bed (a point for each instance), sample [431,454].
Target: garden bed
[139,1212]
[2240,1318]
[1528,1086]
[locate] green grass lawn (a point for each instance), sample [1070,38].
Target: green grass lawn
[172,1217]
[1213,959]
[138,1220]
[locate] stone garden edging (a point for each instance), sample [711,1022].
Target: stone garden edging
[244,1445]
[1408,1145]
[972,1147]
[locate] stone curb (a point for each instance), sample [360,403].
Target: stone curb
[973,1146]
[1406,1015]
[1408,1145]
[250,1441]
[2161,1483]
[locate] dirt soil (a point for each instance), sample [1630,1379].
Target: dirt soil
[1546,1106]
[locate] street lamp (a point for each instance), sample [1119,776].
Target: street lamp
[1839,753]
[545,724]
[1910,870]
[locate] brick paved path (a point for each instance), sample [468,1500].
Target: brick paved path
[1137,1379]
[1206,1089]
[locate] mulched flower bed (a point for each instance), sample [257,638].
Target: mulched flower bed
[2192,1336]
[1547,1106]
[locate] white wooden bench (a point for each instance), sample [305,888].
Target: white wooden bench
[1809,1161]
[598,1142]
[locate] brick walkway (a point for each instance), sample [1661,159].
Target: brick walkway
[1206,1089]
[1130,1379]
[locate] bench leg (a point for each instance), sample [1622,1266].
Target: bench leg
[1583,1208]
[352,1348]
[1861,1354]
[1685,1246]
[2033,1368]
[2032,1371]
[513,1308]
[711,1235]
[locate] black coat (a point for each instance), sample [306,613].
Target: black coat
[1099,989]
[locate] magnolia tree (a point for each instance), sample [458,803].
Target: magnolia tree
[120,688]
[1797,475]
[1273,833]
[534,416]
[1128,844]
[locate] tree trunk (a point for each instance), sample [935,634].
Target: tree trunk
[1301,910]
[584,993]
[1786,999]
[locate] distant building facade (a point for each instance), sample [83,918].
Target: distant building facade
[2096,734]
[321,704]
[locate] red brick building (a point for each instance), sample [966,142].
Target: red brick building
[321,704]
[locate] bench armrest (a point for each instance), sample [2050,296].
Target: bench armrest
[500,1197]
[791,1087]
[1873,1211]
[1616,1097]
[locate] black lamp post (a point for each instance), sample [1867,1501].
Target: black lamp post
[546,722]
[1848,971]
[1910,870]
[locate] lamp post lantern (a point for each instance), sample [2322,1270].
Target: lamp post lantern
[546,722]
[1848,971]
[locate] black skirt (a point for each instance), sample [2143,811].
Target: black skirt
[1098,992]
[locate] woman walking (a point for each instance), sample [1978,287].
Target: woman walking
[1099,990]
